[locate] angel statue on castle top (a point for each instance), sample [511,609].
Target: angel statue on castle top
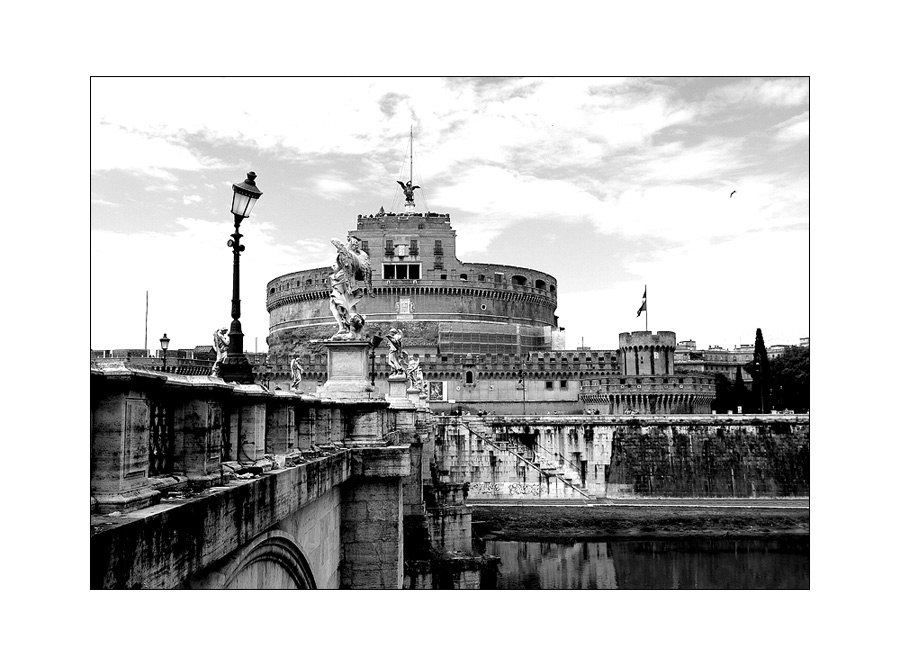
[408,189]
[351,279]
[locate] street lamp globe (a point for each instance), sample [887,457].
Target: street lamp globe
[164,345]
[245,196]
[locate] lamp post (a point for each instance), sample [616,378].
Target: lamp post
[376,341]
[236,367]
[164,345]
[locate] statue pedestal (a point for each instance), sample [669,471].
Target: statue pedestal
[414,396]
[348,365]
[397,393]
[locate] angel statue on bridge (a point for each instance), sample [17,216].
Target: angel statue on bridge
[397,358]
[414,374]
[408,189]
[350,281]
[296,374]
[220,346]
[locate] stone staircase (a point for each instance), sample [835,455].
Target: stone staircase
[544,466]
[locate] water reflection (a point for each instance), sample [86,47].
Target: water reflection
[698,564]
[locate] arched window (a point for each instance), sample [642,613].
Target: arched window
[470,377]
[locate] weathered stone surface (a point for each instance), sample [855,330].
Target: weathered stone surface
[385,461]
[139,549]
[347,369]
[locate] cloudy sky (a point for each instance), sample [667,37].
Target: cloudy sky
[606,183]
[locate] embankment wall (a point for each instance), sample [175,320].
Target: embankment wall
[608,456]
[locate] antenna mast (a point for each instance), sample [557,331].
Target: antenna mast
[410,154]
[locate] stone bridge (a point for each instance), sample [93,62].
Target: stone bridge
[196,483]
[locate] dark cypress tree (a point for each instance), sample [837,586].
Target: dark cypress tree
[760,372]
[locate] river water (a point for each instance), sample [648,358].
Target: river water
[659,564]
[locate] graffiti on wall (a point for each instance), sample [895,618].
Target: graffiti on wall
[486,488]
[491,488]
[524,489]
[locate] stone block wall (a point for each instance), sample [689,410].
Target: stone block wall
[709,460]
[317,529]
[372,534]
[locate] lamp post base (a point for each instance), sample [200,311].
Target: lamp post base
[236,369]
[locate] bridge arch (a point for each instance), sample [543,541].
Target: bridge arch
[273,560]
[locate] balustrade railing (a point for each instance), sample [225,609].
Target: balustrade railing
[161,439]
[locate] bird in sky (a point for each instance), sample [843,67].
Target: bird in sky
[732,194]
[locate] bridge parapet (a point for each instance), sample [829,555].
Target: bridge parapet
[151,431]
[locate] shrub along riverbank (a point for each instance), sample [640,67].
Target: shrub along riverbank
[529,523]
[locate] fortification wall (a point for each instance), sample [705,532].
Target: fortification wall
[686,456]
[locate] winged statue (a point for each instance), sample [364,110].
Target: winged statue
[408,189]
[351,279]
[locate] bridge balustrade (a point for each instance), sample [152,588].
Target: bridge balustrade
[153,431]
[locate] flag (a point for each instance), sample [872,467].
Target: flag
[643,307]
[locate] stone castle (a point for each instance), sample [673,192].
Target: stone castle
[486,335]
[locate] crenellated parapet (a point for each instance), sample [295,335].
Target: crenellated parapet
[647,353]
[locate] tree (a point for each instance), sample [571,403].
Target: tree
[741,394]
[790,379]
[724,394]
[759,370]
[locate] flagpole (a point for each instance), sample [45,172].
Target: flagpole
[646,314]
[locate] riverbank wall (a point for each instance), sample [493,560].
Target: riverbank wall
[572,457]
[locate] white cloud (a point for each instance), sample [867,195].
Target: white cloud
[767,92]
[191,199]
[794,129]
[116,148]
[331,188]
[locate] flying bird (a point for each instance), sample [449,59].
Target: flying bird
[732,194]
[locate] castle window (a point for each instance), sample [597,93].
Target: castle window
[470,377]
[443,276]
[365,247]
[438,248]
[464,277]
[563,383]
[498,278]
[548,385]
[519,280]
[401,271]
[540,284]
[552,288]
[481,278]
[414,247]
[389,247]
